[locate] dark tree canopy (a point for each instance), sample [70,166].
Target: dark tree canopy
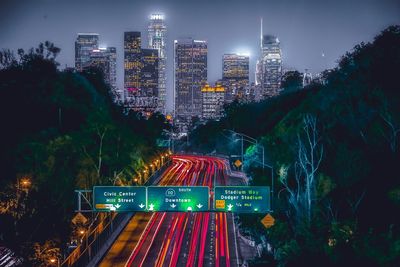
[357,110]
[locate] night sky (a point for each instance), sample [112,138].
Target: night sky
[307,29]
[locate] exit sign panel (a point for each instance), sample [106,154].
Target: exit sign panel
[178,198]
[246,199]
[119,198]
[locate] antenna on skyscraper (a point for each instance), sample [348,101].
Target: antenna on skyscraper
[261,32]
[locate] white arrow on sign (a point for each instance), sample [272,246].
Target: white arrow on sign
[173,205]
[151,207]
[199,206]
[118,206]
[230,206]
[141,206]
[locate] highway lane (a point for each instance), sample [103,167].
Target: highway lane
[126,242]
[180,238]
[122,248]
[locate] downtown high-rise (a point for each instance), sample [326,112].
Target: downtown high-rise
[85,43]
[149,73]
[190,74]
[157,40]
[105,60]
[235,75]
[132,61]
[88,55]
[269,66]
[212,101]
[140,75]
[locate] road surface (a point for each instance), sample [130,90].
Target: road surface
[180,238]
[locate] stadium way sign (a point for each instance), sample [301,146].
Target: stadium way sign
[178,198]
[246,199]
[119,198]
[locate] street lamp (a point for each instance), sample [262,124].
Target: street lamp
[254,141]
[245,137]
[25,182]
[54,260]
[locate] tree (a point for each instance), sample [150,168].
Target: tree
[292,81]
[302,195]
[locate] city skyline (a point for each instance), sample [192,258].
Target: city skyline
[199,133]
[309,35]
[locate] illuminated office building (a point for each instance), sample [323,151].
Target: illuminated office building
[132,62]
[141,75]
[157,40]
[235,75]
[190,74]
[149,73]
[269,66]
[85,43]
[149,80]
[213,99]
[104,59]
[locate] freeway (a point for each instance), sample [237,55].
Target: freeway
[180,238]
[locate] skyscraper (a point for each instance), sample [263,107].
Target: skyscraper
[105,59]
[269,66]
[213,99]
[157,40]
[84,44]
[89,55]
[235,74]
[112,55]
[190,74]
[149,74]
[141,74]
[132,62]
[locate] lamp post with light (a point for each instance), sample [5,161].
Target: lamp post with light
[255,142]
[55,260]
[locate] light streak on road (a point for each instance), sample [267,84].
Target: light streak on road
[181,238]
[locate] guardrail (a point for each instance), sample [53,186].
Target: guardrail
[93,241]
[96,238]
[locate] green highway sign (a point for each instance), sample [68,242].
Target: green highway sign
[178,198]
[246,199]
[119,198]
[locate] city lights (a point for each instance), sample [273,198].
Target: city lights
[199,133]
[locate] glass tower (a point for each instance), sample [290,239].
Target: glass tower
[85,43]
[271,65]
[105,59]
[132,61]
[157,40]
[190,74]
[235,74]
